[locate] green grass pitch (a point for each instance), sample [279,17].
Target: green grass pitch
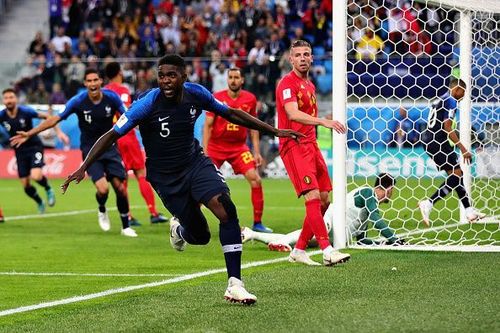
[428,291]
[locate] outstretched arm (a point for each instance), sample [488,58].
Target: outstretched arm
[101,145]
[294,114]
[242,118]
[22,136]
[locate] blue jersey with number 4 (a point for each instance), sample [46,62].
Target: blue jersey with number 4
[167,127]
[93,119]
[443,108]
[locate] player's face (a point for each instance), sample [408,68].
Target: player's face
[234,81]
[458,93]
[301,58]
[10,100]
[93,84]
[170,80]
[388,195]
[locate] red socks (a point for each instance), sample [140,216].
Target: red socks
[258,203]
[313,225]
[148,195]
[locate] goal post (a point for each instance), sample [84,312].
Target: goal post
[383,85]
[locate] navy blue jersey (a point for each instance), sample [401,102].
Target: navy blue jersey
[23,121]
[167,128]
[93,119]
[442,108]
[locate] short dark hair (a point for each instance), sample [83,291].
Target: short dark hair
[385,180]
[457,82]
[9,90]
[112,69]
[236,69]
[172,59]
[300,43]
[91,71]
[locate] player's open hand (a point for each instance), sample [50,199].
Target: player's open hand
[76,176]
[467,157]
[19,139]
[288,133]
[337,126]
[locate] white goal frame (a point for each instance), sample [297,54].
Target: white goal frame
[339,112]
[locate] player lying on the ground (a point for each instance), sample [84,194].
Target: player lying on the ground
[437,145]
[362,209]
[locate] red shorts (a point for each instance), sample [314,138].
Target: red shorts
[306,168]
[241,160]
[131,151]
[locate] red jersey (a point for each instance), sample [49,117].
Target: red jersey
[124,94]
[226,135]
[293,88]
[122,91]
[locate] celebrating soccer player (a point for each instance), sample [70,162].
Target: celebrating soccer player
[95,109]
[362,208]
[225,141]
[129,146]
[436,139]
[30,156]
[180,173]
[297,109]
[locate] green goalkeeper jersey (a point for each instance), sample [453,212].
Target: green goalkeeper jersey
[362,208]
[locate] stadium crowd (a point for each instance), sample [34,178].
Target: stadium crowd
[214,35]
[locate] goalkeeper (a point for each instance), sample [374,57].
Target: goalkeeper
[362,208]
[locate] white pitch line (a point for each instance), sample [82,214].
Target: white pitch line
[13,273]
[87,211]
[69,213]
[104,293]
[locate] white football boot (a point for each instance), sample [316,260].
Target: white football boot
[334,257]
[425,208]
[103,219]
[176,241]
[246,234]
[473,214]
[302,257]
[236,292]
[129,232]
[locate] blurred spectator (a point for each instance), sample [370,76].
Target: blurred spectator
[57,95]
[60,39]
[50,136]
[76,15]
[169,34]
[55,15]
[369,46]
[74,75]
[38,45]
[39,95]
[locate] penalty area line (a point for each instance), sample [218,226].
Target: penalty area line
[109,292]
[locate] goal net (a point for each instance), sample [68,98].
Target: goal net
[400,56]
